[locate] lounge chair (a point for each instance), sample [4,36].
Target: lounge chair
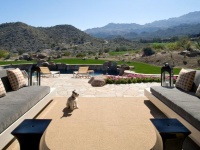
[82,72]
[46,71]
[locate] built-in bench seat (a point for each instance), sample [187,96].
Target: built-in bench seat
[177,103]
[24,103]
[12,107]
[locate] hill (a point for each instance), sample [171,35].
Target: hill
[189,24]
[20,36]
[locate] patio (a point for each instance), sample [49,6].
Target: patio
[106,104]
[65,84]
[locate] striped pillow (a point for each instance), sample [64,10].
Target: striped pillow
[2,89]
[185,79]
[16,79]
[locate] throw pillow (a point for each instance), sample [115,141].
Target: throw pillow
[198,91]
[185,79]
[2,89]
[16,79]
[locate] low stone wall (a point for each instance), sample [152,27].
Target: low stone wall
[55,67]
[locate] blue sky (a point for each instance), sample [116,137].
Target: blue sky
[84,14]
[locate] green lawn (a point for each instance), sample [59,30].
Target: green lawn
[148,69]
[139,67]
[16,62]
[121,53]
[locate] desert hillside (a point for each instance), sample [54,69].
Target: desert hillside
[173,58]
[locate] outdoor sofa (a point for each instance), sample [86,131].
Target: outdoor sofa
[17,105]
[179,103]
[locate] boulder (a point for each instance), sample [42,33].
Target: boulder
[98,81]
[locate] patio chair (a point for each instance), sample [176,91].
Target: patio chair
[46,71]
[82,72]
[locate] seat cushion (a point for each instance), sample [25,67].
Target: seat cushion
[17,103]
[4,78]
[2,89]
[16,79]
[185,80]
[186,104]
[197,93]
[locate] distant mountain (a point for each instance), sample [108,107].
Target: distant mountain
[20,36]
[190,18]
[131,31]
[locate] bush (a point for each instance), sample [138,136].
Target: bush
[148,51]
[3,54]
[80,55]
[134,78]
[158,46]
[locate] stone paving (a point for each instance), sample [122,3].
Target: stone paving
[65,84]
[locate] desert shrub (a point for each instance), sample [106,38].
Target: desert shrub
[158,46]
[80,55]
[148,51]
[172,46]
[3,54]
[67,53]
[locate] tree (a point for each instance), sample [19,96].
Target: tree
[3,53]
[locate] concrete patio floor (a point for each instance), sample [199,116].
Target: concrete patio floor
[65,84]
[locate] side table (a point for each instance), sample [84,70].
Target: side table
[170,134]
[30,133]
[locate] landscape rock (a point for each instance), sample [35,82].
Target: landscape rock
[98,81]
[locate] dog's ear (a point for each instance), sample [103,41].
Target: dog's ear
[73,91]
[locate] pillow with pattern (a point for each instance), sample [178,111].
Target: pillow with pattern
[2,89]
[185,79]
[16,79]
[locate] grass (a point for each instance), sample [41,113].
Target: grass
[139,67]
[16,62]
[122,53]
[147,69]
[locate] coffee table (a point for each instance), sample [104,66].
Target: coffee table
[29,133]
[172,132]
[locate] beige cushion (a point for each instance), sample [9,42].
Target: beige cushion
[198,91]
[2,89]
[16,79]
[185,79]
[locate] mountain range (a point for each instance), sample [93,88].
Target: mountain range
[20,36]
[184,25]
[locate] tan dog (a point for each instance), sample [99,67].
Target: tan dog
[72,101]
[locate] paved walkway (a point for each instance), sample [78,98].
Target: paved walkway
[65,84]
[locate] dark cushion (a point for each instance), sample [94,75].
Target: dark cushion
[17,103]
[186,104]
[4,78]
